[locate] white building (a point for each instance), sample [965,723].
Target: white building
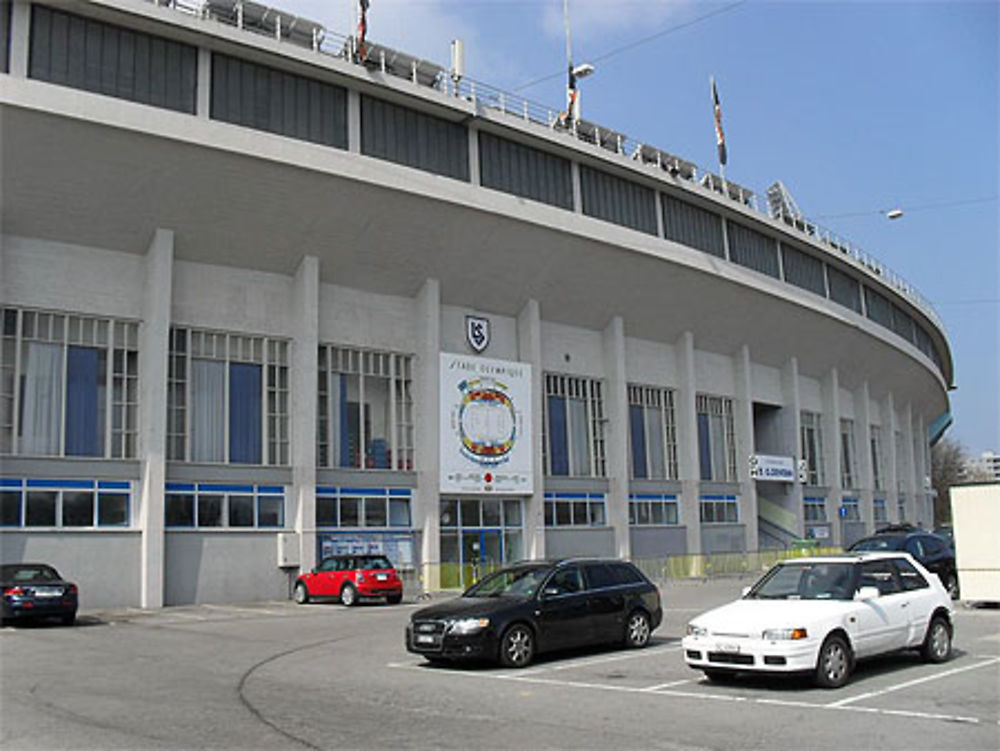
[985,467]
[239,271]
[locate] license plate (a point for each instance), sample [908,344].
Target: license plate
[424,639]
[729,648]
[381,577]
[48,591]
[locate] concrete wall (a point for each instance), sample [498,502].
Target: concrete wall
[223,567]
[103,564]
[658,542]
[565,543]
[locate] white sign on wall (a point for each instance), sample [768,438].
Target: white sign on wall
[774,468]
[485,426]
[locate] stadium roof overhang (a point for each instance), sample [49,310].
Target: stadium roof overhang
[386,229]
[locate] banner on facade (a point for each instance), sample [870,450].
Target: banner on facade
[485,426]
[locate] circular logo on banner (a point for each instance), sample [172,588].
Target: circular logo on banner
[487,422]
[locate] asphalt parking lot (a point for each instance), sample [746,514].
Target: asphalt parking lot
[275,675]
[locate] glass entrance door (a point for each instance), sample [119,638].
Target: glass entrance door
[482,553]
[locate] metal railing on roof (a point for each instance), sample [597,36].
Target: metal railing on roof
[486,98]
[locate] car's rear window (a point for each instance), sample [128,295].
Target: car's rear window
[29,573]
[878,543]
[376,561]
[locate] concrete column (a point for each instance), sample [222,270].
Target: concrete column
[866,470]
[203,102]
[833,451]
[529,350]
[743,425]
[474,176]
[353,121]
[153,353]
[304,405]
[616,438]
[687,444]
[792,428]
[889,427]
[660,229]
[577,187]
[908,479]
[921,472]
[427,405]
[20,34]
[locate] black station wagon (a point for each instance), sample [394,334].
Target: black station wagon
[539,606]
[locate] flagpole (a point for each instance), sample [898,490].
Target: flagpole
[720,138]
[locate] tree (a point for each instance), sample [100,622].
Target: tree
[947,468]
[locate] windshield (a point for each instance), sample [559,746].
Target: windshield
[523,582]
[806,581]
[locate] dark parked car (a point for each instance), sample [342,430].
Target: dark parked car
[934,552]
[35,590]
[539,606]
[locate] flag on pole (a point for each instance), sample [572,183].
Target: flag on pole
[362,29]
[720,138]
[572,94]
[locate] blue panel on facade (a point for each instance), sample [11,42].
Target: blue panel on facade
[114,485]
[271,489]
[186,487]
[69,484]
[205,487]
[9,483]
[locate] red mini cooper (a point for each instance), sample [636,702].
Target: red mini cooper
[350,578]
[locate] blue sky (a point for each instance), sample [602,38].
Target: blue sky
[856,106]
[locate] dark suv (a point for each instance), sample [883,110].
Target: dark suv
[539,606]
[933,551]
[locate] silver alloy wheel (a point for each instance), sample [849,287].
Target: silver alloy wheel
[348,595]
[638,630]
[940,641]
[301,594]
[834,663]
[517,647]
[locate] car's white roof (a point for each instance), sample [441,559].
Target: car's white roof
[856,557]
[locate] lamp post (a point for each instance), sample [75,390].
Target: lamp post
[575,73]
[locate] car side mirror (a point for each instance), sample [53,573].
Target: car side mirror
[550,591]
[867,593]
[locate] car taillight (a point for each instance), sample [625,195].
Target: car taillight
[71,589]
[13,591]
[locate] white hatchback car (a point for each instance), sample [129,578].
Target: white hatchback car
[820,615]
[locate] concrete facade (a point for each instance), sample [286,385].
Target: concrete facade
[212,227]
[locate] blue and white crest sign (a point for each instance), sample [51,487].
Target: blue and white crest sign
[477,333]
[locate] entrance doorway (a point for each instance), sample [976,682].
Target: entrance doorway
[482,552]
[478,536]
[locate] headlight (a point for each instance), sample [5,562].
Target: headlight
[469,625]
[693,630]
[784,634]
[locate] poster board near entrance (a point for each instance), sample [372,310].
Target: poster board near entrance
[485,426]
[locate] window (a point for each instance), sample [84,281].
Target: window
[365,402]
[652,433]
[848,455]
[879,511]
[909,577]
[719,509]
[574,427]
[716,438]
[814,509]
[566,581]
[850,510]
[64,503]
[878,468]
[575,509]
[600,576]
[227,398]
[215,506]
[69,385]
[880,574]
[812,447]
[362,507]
[651,509]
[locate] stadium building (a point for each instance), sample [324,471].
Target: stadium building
[265,298]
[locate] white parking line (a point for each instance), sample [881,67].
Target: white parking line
[665,690]
[908,684]
[235,609]
[662,686]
